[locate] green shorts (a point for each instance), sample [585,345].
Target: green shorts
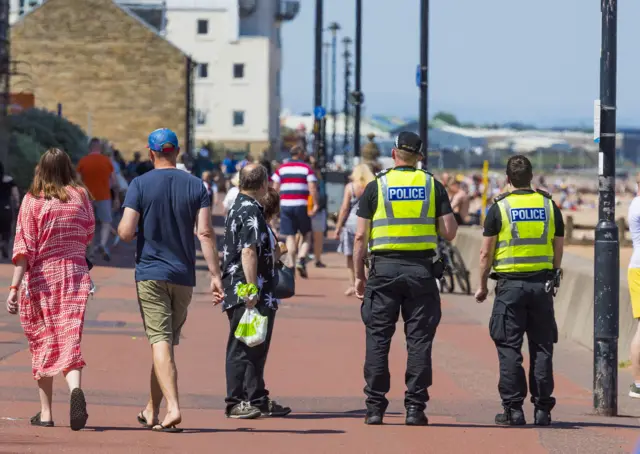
[163,307]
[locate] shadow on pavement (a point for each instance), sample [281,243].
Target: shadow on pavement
[335,415]
[556,425]
[211,430]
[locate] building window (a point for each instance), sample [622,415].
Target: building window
[238,71]
[238,118]
[201,117]
[203,70]
[203,26]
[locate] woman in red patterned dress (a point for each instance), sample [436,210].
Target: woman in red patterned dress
[51,279]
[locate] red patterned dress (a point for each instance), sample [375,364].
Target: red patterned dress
[53,236]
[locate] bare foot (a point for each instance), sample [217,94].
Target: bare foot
[150,416]
[172,419]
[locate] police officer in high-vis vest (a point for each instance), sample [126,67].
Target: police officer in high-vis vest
[400,215]
[523,242]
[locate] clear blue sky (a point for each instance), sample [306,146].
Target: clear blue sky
[490,60]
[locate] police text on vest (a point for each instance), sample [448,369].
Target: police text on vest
[528,214]
[400,193]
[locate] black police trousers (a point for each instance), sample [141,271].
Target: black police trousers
[524,307]
[399,286]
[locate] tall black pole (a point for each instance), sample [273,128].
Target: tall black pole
[318,129]
[423,72]
[334,27]
[325,72]
[5,74]
[607,255]
[357,95]
[347,89]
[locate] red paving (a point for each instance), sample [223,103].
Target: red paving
[315,366]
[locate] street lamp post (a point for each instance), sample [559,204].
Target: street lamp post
[325,71]
[347,89]
[607,252]
[5,74]
[358,99]
[423,74]
[318,124]
[333,27]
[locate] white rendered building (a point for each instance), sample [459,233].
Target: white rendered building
[236,46]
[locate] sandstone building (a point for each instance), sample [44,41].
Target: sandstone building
[114,75]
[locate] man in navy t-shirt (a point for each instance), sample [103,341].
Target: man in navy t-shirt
[163,206]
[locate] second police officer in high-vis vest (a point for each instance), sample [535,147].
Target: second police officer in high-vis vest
[523,242]
[400,215]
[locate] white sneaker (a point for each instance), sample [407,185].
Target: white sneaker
[634,391]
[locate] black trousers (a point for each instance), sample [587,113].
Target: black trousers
[245,365]
[524,307]
[399,286]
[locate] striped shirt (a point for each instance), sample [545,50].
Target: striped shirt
[294,178]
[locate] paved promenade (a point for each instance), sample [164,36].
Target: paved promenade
[315,366]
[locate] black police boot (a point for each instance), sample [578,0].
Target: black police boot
[511,417]
[373,418]
[416,417]
[542,417]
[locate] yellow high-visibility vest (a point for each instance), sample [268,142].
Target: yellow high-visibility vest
[405,218]
[525,241]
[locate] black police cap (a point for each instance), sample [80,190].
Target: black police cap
[409,141]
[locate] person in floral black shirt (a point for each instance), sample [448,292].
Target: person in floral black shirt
[248,255]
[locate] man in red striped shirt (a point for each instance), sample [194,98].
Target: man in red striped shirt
[295,180]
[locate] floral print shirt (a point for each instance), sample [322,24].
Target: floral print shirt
[245,226]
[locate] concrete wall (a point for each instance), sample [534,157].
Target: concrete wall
[115,77]
[574,302]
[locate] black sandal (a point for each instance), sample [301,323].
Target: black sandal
[78,410]
[36,421]
[143,421]
[169,429]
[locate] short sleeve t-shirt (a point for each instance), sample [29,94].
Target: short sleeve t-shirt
[369,203]
[493,226]
[168,201]
[95,170]
[294,177]
[493,221]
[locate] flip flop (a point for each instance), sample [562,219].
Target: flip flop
[169,429]
[78,410]
[143,421]
[36,421]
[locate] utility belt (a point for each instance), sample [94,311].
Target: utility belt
[550,278]
[435,267]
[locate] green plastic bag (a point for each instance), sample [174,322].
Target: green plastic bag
[252,329]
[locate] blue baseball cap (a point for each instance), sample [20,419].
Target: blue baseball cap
[161,137]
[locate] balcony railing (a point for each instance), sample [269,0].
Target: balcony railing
[287,10]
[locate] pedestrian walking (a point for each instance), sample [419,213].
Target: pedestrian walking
[346,225]
[523,242]
[249,259]
[319,219]
[397,217]
[99,176]
[51,282]
[634,288]
[295,181]
[165,263]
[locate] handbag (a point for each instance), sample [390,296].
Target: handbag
[285,281]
